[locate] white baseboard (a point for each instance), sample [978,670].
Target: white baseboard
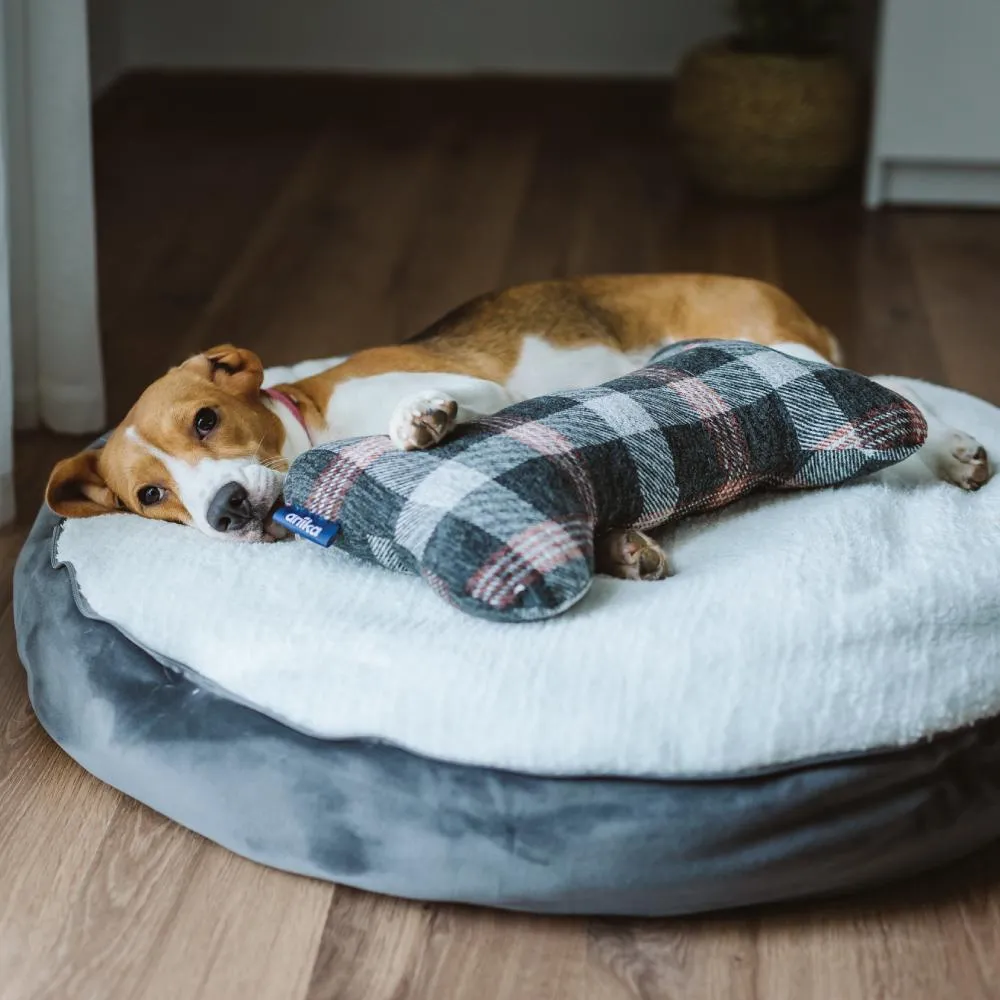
[68,409]
[934,183]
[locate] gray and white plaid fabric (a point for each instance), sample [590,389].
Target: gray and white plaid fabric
[501,518]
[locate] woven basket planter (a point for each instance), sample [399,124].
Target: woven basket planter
[766,126]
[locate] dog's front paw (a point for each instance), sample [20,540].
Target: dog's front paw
[965,462]
[422,421]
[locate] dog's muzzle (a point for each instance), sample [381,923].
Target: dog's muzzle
[230,508]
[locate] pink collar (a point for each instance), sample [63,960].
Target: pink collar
[279,397]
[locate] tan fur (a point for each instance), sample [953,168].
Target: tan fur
[482,338]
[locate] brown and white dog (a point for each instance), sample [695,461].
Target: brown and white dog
[206,446]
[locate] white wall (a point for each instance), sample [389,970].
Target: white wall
[579,37]
[936,132]
[940,67]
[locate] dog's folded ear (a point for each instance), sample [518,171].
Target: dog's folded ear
[234,369]
[77,488]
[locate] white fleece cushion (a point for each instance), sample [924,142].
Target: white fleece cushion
[799,626]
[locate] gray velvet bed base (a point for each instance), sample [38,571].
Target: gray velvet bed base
[380,818]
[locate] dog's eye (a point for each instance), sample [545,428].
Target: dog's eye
[150,496]
[204,421]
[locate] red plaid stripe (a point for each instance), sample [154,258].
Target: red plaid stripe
[439,586]
[551,444]
[526,558]
[878,430]
[717,415]
[335,481]
[562,452]
[720,422]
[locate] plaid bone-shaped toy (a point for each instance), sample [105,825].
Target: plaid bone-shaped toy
[501,518]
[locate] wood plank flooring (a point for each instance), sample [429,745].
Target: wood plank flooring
[306,217]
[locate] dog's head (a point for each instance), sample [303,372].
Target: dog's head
[200,447]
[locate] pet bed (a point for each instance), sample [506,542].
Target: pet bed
[812,704]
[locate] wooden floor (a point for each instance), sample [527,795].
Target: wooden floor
[302,217]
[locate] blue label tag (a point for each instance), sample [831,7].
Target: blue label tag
[307,525]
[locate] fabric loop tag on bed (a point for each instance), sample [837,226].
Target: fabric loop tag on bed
[316,529]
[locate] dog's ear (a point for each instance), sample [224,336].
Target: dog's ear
[77,488]
[234,369]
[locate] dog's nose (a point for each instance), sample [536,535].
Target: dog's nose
[230,508]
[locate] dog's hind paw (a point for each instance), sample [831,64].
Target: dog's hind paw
[965,463]
[630,554]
